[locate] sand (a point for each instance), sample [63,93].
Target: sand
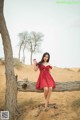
[63,105]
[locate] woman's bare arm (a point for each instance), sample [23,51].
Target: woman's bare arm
[35,65]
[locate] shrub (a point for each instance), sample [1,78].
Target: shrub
[17,62]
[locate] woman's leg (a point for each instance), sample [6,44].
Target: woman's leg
[45,95]
[49,94]
[45,92]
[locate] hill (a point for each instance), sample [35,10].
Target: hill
[63,105]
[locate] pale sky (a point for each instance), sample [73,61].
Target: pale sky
[60,24]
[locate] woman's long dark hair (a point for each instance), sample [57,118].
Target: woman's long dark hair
[42,60]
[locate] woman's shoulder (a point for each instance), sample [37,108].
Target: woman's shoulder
[49,65]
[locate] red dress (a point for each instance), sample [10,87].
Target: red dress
[45,79]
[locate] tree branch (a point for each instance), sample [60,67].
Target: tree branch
[29,86]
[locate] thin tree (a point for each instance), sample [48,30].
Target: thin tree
[11,86]
[34,43]
[23,38]
[30,41]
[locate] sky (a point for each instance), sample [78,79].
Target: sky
[59,22]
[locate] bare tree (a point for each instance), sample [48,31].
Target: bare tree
[23,38]
[11,86]
[34,43]
[31,42]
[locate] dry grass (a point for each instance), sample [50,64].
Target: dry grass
[68,103]
[78,70]
[76,104]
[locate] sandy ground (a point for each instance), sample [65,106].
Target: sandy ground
[63,105]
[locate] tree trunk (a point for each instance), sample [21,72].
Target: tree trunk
[19,52]
[11,86]
[24,55]
[29,86]
[31,52]
[31,58]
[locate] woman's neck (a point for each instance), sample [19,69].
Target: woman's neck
[45,63]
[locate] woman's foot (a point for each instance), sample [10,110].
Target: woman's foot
[46,109]
[46,106]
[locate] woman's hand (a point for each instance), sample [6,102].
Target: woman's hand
[35,65]
[34,61]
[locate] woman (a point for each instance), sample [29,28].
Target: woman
[45,80]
